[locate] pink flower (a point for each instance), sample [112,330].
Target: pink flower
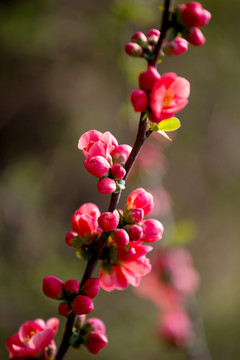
[108,221]
[33,338]
[96,341]
[140,198]
[126,268]
[175,327]
[152,230]
[168,96]
[97,166]
[91,287]
[148,78]
[94,143]
[84,220]
[106,186]
[82,305]
[53,287]
[172,278]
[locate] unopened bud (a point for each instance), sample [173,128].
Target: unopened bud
[71,287]
[134,231]
[133,49]
[82,305]
[121,154]
[69,237]
[106,186]
[175,47]
[133,216]
[121,237]
[140,38]
[195,37]
[118,172]
[108,221]
[139,100]
[64,309]
[91,287]
[53,287]
[148,78]
[153,36]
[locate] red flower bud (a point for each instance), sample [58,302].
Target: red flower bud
[82,305]
[134,231]
[140,38]
[96,341]
[118,172]
[195,15]
[175,47]
[97,325]
[148,78]
[133,49]
[153,36]
[71,287]
[121,237]
[106,186]
[91,287]
[53,287]
[195,37]
[134,216]
[69,237]
[108,221]
[139,100]
[64,309]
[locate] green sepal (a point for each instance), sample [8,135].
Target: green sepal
[127,247]
[145,116]
[76,340]
[79,254]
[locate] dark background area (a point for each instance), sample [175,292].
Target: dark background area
[63,72]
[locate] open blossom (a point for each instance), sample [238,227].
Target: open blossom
[172,278]
[95,143]
[127,267]
[34,338]
[168,96]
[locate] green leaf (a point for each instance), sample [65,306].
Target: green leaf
[171,124]
[161,7]
[79,254]
[145,116]
[164,135]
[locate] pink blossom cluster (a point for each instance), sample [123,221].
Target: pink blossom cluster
[161,96]
[34,339]
[171,281]
[105,159]
[90,332]
[75,298]
[189,17]
[123,258]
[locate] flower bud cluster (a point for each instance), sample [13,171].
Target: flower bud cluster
[74,298]
[105,159]
[188,18]
[90,333]
[142,45]
[160,96]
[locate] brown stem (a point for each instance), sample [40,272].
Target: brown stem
[141,137]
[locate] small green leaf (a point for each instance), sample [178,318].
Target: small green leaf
[159,60]
[171,124]
[145,116]
[79,254]
[164,135]
[161,8]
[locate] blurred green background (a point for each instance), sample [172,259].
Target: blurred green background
[63,71]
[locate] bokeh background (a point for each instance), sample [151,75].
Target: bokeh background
[63,71]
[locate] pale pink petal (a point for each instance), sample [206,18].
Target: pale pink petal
[28,328]
[53,324]
[181,87]
[87,137]
[41,339]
